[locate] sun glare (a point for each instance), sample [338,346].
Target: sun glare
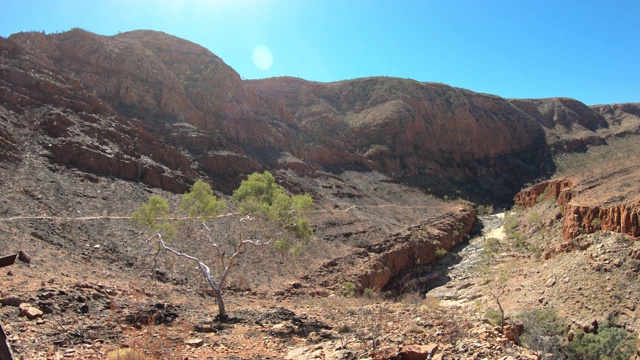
[262,57]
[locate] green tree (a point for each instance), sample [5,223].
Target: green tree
[266,215]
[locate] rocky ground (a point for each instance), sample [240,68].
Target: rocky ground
[70,317]
[87,289]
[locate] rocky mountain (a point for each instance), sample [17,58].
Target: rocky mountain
[92,125]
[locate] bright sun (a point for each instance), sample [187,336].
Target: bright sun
[262,57]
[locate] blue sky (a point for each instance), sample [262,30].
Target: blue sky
[588,50]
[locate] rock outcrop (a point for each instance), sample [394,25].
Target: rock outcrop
[75,128]
[376,265]
[418,245]
[559,189]
[580,217]
[623,218]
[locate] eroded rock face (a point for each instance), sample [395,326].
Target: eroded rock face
[582,218]
[621,218]
[559,190]
[374,266]
[73,127]
[160,78]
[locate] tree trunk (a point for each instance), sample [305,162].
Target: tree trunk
[501,315]
[222,312]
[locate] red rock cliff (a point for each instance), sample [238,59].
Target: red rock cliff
[579,217]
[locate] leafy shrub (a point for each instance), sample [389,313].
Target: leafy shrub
[494,316]
[511,231]
[492,245]
[535,218]
[485,209]
[609,343]
[596,223]
[440,252]
[349,289]
[544,333]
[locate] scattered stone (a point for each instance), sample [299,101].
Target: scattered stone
[24,257]
[205,328]
[513,332]
[282,328]
[418,352]
[30,311]
[195,342]
[551,282]
[385,353]
[69,353]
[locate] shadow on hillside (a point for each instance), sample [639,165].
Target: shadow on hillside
[488,181]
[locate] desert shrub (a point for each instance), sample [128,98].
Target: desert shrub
[344,329]
[431,302]
[349,289]
[413,298]
[440,252]
[535,218]
[544,331]
[596,223]
[125,354]
[494,316]
[609,343]
[518,241]
[491,246]
[510,224]
[511,231]
[485,209]
[370,294]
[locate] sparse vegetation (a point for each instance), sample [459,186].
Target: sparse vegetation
[544,331]
[611,343]
[349,289]
[491,247]
[440,252]
[535,218]
[546,194]
[512,233]
[125,354]
[485,209]
[494,316]
[265,213]
[370,294]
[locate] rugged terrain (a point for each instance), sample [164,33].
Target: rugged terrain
[91,126]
